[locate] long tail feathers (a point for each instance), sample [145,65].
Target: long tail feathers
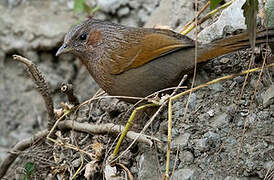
[234,43]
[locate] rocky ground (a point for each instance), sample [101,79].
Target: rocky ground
[221,135]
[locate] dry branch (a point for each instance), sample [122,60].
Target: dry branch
[102,129]
[42,86]
[67,89]
[81,127]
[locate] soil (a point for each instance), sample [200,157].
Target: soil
[223,131]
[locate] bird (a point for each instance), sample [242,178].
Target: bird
[136,61]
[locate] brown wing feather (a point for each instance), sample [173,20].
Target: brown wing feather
[152,45]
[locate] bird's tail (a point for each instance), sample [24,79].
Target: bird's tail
[234,43]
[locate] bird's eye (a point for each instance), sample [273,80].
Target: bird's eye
[83,36]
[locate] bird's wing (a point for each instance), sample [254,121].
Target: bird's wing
[152,45]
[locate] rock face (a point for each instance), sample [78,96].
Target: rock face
[127,12]
[270,17]
[268,98]
[173,13]
[34,25]
[148,169]
[270,12]
[230,19]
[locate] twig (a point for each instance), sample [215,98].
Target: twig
[170,124]
[141,133]
[82,127]
[42,87]
[220,79]
[78,170]
[103,128]
[67,89]
[149,122]
[193,20]
[195,89]
[129,175]
[207,16]
[19,147]
[175,89]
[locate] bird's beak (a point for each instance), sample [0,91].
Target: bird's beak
[63,49]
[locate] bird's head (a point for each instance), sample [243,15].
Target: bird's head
[82,38]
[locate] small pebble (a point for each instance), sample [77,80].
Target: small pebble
[232,85]
[256,84]
[224,60]
[123,11]
[211,112]
[239,79]
[268,97]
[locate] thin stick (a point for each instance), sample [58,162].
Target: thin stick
[143,130]
[206,17]
[169,138]
[188,92]
[198,15]
[42,87]
[153,117]
[78,170]
[130,120]
[220,79]
[103,128]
